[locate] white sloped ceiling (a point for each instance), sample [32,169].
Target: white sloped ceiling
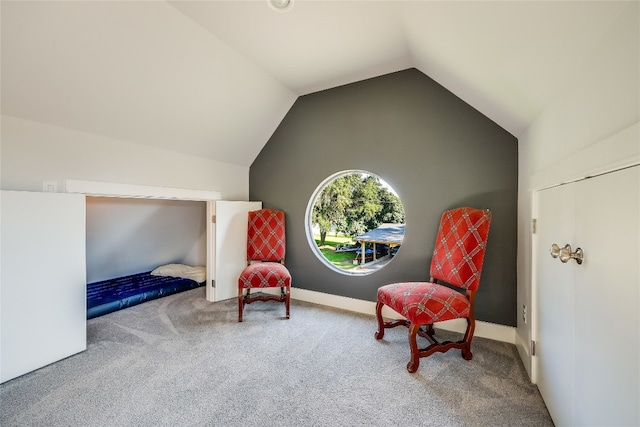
[215,78]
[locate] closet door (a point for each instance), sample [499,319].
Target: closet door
[43,280]
[588,326]
[607,303]
[228,255]
[554,351]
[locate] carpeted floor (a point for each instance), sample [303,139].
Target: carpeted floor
[182,361]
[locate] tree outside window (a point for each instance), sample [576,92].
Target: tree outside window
[346,206]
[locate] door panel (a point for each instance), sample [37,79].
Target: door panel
[555,317]
[606,300]
[231,245]
[587,322]
[43,313]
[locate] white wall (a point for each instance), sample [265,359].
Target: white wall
[34,152]
[599,103]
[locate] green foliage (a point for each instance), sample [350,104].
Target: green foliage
[392,210]
[330,206]
[353,204]
[343,260]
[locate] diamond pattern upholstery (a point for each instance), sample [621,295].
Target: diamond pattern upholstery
[457,261]
[266,236]
[460,246]
[424,302]
[264,275]
[266,249]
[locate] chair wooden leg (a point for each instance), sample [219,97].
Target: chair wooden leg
[414,363]
[468,336]
[287,300]
[380,333]
[240,304]
[430,331]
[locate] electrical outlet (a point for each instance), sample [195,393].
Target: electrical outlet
[49,186]
[524,313]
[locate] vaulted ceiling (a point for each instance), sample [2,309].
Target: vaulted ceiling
[215,78]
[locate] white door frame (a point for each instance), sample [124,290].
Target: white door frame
[112,189]
[535,200]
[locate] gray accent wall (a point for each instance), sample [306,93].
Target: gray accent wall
[436,151]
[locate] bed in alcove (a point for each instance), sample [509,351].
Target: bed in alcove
[118,293]
[128,239]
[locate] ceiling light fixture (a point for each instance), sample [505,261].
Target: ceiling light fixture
[281,5]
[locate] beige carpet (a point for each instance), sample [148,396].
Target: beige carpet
[182,361]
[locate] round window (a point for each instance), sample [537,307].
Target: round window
[355,222]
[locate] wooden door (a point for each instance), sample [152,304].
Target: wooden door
[587,322]
[228,250]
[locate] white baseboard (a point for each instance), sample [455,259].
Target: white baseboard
[483,329]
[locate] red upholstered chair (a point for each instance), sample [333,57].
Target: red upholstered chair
[266,247]
[457,260]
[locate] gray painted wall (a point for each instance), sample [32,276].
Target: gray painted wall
[436,151]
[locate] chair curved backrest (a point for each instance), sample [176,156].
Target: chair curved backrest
[460,246]
[266,240]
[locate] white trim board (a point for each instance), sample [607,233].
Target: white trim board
[112,189]
[618,151]
[483,329]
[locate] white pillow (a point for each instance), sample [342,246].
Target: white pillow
[198,274]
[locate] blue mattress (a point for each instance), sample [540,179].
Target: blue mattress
[115,294]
